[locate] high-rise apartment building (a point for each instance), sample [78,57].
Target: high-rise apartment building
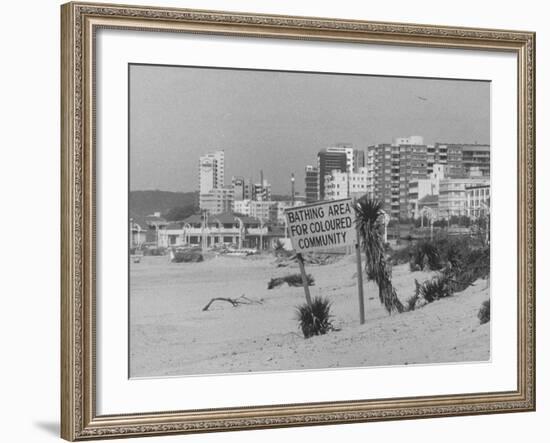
[211,171]
[477,156]
[392,168]
[261,191]
[242,187]
[459,159]
[211,178]
[312,184]
[358,160]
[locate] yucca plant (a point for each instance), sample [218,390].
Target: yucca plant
[314,319]
[369,222]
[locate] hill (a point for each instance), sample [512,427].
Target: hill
[148,202]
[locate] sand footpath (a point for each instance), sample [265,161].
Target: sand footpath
[171,335]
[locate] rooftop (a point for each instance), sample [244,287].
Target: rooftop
[224,218]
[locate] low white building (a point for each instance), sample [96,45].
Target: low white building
[266,211]
[340,184]
[282,206]
[453,200]
[420,188]
[208,231]
[242,206]
[478,199]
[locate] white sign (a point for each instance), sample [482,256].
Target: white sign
[323,225]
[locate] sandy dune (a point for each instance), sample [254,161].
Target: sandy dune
[171,335]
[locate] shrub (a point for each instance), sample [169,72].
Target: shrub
[193,255]
[314,319]
[436,288]
[484,313]
[454,255]
[475,264]
[461,257]
[427,255]
[154,251]
[290,280]
[422,255]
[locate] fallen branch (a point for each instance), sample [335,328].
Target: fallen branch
[242,300]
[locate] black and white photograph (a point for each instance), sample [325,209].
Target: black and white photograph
[233,221]
[285,221]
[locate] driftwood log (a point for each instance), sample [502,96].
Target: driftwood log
[290,280]
[242,300]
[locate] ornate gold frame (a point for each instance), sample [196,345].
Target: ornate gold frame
[79,21]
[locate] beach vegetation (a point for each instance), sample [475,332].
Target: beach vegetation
[314,318]
[484,313]
[475,264]
[189,255]
[435,289]
[426,256]
[154,251]
[369,219]
[411,302]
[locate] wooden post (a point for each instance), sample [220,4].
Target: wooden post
[304,277]
[360,279]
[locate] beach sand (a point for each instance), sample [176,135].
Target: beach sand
[171,335]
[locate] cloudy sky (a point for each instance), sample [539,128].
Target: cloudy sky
[278,121]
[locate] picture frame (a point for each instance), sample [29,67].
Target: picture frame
[80,23]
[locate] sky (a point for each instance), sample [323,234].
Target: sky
[277,121]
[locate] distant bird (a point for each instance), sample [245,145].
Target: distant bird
[422,98]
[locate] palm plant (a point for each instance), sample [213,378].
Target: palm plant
[369,223]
